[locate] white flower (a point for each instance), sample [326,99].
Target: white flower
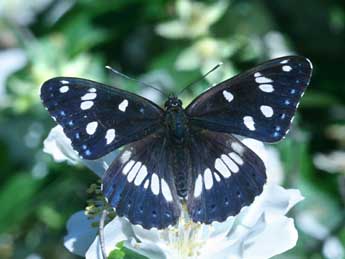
[11,60]
[332,163]
[204,54]
[22,12]
[275,45]
[332,248]
[194,19]
[251,234]
[160,79]
[81,233]
[60,148]
[271,158]
[204,50]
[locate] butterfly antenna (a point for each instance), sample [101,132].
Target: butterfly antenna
[135,80]
[201,78]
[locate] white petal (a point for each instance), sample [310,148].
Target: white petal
[115,231]
[309,224]
[80,233]
[281,227]
[333,248]
[145,235]
[151,244]
[173,30]
[215,11]
[150,250]
[332,163]
[59,146]
[189,59]
[274,200]
[271,158]
[11,60]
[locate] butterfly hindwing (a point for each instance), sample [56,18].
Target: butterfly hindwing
[226,176]
[259,103]
[96,117]
[140,184]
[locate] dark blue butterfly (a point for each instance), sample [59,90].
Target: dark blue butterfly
[175,155]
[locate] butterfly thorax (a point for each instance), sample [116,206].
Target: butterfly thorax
[176,121]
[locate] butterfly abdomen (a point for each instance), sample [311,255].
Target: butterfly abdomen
[181,168]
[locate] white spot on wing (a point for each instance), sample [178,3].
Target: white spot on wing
[110,136]
[88,96]
[155,184]
[284,61]
[228,96]
[92,90]
[146,184]
[91,127]
[133,172]
[86,105]
[216,176]
[249,122]
[64,89]
[257,74]
[232,166]
[127,167]
[198,186]
[141,175]
[237,147]
[236,158]
[64,82]
[123,105]
[166,190]
[263,80]
[267,111]
[125,156]
[266,88]
[208,180]
[221,168]
[287,68]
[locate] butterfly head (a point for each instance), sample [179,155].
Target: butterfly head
[173,102]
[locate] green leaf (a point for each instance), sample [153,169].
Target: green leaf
[117,254]
[80,35]
[121,252]
[318,99]
[16,199]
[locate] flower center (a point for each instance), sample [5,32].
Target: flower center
[186,238]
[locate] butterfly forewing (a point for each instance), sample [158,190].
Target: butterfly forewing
[96,117]
[225,177]
[259,103]
[140,184]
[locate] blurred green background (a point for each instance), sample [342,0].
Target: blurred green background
[159,42]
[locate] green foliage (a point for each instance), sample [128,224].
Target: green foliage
[121,252]
[17,205]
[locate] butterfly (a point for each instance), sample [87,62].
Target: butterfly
[174,156]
